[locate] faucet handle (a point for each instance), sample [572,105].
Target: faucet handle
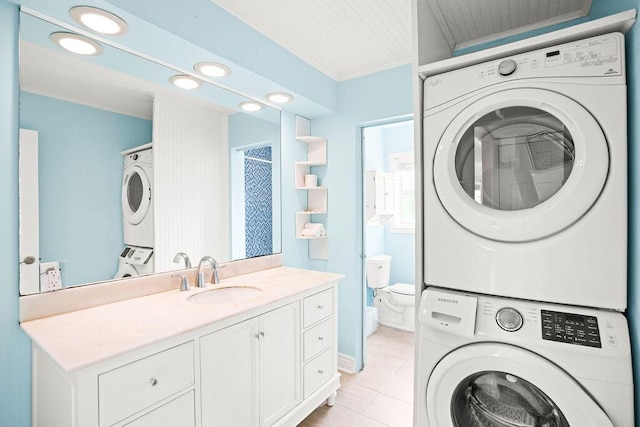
[200,280]
[184,285]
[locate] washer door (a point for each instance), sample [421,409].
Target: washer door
[520,165]
[136,194]
[499,385]
[126,270]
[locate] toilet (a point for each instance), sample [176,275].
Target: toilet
[395,303]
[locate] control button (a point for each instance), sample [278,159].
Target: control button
[509,319]
[481,74]
[611,339]
[534,63]
[507,67]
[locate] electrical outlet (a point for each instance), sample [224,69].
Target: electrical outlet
[50,278]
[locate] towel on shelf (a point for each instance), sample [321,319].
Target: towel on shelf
[308,232]
[314,226]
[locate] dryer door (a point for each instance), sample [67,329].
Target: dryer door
[136,194]
[520,165]
[499,385]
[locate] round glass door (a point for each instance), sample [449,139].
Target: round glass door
[499,399]
[136,195]
[520,165]
[514,158]
[501,385]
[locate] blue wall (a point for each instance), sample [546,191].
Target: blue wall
[15,347]
[365,101]
[379,143]
[80,169]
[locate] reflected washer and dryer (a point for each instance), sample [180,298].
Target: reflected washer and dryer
[137,196]
[525,176]
[134,261]
[491,361]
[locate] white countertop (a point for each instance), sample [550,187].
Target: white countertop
[82,338]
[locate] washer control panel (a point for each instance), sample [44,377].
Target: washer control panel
[570,328]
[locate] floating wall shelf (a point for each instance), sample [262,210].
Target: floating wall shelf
[317,197]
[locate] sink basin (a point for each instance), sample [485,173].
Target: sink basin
[225,295]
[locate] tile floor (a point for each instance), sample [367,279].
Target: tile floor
[382,394]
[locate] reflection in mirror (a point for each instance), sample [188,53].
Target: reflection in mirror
[120,170]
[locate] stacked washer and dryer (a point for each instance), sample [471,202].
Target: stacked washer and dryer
[525,247]
[137,212]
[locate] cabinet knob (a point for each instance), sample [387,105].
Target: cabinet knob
[153,381]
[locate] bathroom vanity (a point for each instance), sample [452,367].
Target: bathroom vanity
[268,359]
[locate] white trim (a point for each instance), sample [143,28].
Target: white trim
[400,158]
[346,363]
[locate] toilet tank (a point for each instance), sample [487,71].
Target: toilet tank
[378,269]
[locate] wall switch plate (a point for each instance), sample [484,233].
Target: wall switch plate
[50,277]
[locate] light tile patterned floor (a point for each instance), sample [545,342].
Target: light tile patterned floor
[382,394]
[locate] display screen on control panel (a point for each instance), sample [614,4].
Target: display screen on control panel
[570,328]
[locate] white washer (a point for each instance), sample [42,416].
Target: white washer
[134,261]
[489,361]
[525,176]
[137,193]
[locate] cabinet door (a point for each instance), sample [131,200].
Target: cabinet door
[229,376]
[279,362]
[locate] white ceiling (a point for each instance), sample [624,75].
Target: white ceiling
[350,38]
[342,38]
[469,22]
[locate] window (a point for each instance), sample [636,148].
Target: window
[403,170]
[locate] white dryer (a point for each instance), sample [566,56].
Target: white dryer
[525,176]
[137,196]
[134,261]
[490,361]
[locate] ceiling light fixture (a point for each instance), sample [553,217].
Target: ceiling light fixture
[279,97]
[250,106]
[76,43]
[185,82]
[212,69]
[99,20]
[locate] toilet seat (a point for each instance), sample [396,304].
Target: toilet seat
[402,289]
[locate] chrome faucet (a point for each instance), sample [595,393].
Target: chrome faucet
[185,257]
[214,277]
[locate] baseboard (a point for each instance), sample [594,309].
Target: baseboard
[346,363]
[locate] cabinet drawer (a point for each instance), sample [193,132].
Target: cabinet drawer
[318,371]
[133,387]
[317,307]
[318,338]
[178,412]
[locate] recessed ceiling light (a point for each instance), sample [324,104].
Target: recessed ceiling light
[76,43]
[212,69]
[99,20]
[185,82]
[279,97]
[250,106]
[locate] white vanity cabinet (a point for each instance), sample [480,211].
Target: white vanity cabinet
[250,372]
[267,363]
[156,390]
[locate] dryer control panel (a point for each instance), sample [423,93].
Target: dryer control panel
[570,328]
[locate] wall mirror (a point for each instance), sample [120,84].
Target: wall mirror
[120,170]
